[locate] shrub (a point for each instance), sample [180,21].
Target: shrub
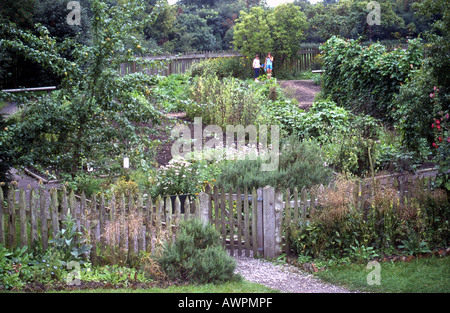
[300,164]
[237,67]
[196,255]
[171,92]
[413,111]
[365,79]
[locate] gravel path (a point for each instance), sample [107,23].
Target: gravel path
[302,90]
[283,277]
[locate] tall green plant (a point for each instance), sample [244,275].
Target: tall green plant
[227,101]
[365,79]
[96,111]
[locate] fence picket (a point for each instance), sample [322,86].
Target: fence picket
[239,220]
[231,220]
[43,219]
[64,204]
[54,212]
[33,219]
[148,224]
[122,228]
[246,224]
[223,217]
[187,209]
[23,219]
[216,208]
[287,221]
[12,217]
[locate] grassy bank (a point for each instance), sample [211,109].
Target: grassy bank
[426,275]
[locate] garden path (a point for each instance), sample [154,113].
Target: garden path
[302,90]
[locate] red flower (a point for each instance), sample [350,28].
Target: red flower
[435,145]
[438,121]
[438,127]
[440,139]
[432,125]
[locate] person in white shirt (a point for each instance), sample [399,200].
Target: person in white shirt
[256,67]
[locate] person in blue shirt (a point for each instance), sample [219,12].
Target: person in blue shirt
[268,65]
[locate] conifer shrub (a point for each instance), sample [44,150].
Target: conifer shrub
[196,255]
[301,164]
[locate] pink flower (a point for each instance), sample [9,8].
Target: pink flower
[431,95]
[448,139]
[447,116]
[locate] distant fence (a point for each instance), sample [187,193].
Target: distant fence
[176,63]
[181,63]
[252,223]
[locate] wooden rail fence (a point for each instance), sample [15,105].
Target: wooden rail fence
[252,223]
[180,63]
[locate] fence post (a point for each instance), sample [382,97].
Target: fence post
[287,221]
[204,207]
[260,220]
[269,222]
[278,210]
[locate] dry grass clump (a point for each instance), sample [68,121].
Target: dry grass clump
[335,201]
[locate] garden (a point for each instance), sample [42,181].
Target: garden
[380,112]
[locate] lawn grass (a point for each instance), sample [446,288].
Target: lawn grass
[425,275]
[230,287]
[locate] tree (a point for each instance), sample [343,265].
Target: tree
[288,25]
[97,114]
[192,33]
[252,34]
[279,30]
[348,18]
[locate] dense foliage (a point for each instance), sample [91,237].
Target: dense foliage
[260,31]
[96,113]
[365,79]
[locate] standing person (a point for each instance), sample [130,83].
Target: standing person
[256,67]
[268,64]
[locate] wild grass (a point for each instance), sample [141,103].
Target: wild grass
[424,275]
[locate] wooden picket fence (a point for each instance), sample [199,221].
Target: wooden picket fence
[181,63]
[253,223]
[175,63]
